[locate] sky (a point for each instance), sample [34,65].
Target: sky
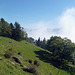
[41,18]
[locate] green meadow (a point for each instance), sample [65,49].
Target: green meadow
[28,52]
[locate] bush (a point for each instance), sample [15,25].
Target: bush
[10,49]
[30,61]
[37,63]
[31,69]
[8,54]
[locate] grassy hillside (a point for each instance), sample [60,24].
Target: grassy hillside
[28,52]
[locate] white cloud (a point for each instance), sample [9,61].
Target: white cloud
[66,23]
[40,30]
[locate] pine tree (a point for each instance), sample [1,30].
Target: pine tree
[5,28]
[12,30]
[17,31]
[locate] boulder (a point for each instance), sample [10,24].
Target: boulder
[19,53]
[10,42]
[17,60]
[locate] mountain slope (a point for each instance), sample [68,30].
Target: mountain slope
[25,52]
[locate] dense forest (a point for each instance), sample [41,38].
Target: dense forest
[14,31]
[62,49]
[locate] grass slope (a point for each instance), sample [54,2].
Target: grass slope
[28,51]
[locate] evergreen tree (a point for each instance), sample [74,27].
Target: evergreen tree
[38,42]
[31,40]
[23,34]
[12,30]
[44,43]
[0,28]
[17,31]
[5,28]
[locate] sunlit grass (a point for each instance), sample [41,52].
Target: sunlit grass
[28,52]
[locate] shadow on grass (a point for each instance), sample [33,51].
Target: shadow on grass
[47,57]
[42,55]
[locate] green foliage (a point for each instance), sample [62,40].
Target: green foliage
[32,69]
[10,67]
[30,61]
[61,48]
[31,40]
[8,54]
[40,43]
[73,57]
[15,31]
[37,63]
[5,29]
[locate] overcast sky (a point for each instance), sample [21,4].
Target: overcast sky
[41,18]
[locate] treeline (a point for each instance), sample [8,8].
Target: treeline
[41,43]
[62,49]
[61,52]
[13,31]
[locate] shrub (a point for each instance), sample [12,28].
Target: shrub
[31,69]
[37,63]
[19,53]
[10,49]
[30,61]
[8,54]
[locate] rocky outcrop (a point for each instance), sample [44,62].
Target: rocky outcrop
[17,60]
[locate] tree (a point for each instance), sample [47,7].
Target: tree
[73,57]
[12,30]
[44,43]
[24,34]
[31,40]
[5,29]
[17,31]
[61,48]
[38,42]
[0,27]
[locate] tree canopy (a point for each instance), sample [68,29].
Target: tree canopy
[61,49]
[14,31]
